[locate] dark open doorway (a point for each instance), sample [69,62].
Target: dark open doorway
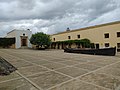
[24,42]
[97,46]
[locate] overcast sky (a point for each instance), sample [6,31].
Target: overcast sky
[53,16]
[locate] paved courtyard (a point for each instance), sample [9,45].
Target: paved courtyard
[56,70]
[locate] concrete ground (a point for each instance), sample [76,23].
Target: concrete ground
[56,70]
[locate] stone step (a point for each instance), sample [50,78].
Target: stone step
[23,47]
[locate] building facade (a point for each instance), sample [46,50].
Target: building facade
[21,38]
[105,35]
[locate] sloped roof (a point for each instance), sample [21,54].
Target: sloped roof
[96,26]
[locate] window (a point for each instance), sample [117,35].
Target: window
[54,39]
[69,37]
[106,35]
[118,34]
[23,34]
[78,36]
[118,45]
[106,44]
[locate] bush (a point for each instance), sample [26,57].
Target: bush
[6,42]
[86,43]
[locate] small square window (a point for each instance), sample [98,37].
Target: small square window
[78,36]
[118,34]
[69,37]
[118,45]
[106,35]
[106,44]
[54,39]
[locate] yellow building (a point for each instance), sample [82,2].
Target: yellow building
[105,35]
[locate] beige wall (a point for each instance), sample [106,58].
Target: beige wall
[11,34]
[12,46]
[95,34]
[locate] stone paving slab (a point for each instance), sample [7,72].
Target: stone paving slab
[117,65]
[56,70]
[81,61]
[21,63]
[110,71]
[11,76]
[77,85]
[103,80]
[48,79]
[73,71]
[57,60]
[54,66]
[14,60]
[100,64]
[87,66]
[41,62]
[32,70]
[69,62]
[19,84]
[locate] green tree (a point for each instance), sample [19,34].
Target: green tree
[41,40]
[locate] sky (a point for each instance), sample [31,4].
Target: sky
[53,16]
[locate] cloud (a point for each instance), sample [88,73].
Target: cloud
[107,17]
[53,16]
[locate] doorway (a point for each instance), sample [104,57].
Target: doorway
[24,42]
[97,46]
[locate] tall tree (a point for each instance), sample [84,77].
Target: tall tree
[41,40]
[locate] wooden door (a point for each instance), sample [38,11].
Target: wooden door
[24,42]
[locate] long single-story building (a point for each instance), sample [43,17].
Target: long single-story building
[21,38]
[105,35]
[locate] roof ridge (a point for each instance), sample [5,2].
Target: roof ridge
[89,27]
